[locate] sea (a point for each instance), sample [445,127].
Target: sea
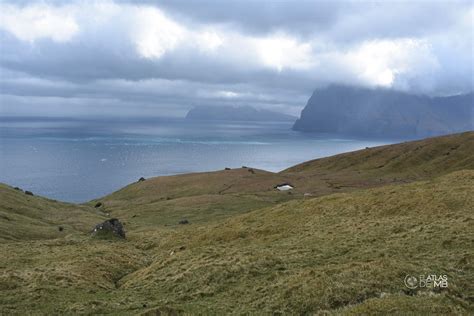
[77,160]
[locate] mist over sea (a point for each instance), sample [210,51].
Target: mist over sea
[78,160]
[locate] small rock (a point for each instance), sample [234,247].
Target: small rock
[60,228]
[183,222]
[141,179]
[17,188]
[29,193]
[244,167]
[227,168]
[98,204]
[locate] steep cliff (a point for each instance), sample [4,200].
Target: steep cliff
[384,112]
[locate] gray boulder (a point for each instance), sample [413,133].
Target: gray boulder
[109,228]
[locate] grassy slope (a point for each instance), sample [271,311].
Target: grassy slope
[24,217]
[199,197]
[399,163]
[340,253]
[428,157]
[326,253]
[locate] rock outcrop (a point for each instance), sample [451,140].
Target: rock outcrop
[109,228]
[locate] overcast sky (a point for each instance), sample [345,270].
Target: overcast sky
[67,58]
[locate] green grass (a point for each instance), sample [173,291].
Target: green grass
[25,217]
[340,253]
[251,249]
[323,254]
[198,197]
[398,163]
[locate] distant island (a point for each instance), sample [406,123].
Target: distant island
[241,113]
[384,112]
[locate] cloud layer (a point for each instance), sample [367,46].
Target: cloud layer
[141,58]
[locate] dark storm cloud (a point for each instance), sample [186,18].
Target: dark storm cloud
[346,19]
[170,55]
[259,16]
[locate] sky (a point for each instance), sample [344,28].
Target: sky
[161,58]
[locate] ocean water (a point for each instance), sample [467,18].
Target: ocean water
[78,160]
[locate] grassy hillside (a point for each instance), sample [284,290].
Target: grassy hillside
[424,158]
[252,249]
[26,217]
[198,197]
[341,253]
[335,253]
[391,164]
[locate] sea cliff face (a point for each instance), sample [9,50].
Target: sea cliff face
[384,112]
